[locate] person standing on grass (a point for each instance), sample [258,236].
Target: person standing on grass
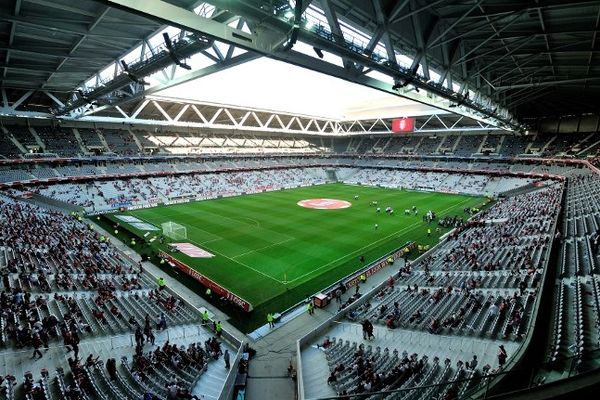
[270,320]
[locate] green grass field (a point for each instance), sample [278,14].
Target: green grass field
[273,253]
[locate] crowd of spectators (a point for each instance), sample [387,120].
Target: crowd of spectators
[448,292]
[63,282]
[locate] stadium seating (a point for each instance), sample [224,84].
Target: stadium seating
[478,289]
[576,315]
[23,135]
[8,149]
[120,141]
[109,194]
[61,281]
[73,140]
[90,139]
[105,195]
[468,145]
[59,141]
[482,282]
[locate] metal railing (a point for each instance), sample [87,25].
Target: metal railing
[482,385]
[477,387]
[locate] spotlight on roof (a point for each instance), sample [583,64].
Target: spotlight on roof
[318,51]
[173,54]
[397,85]
[131,75]
[289,14]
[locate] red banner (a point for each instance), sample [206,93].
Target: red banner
[376,267]
[403,125]
[235,299]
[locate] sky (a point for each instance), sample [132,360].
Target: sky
[274,85]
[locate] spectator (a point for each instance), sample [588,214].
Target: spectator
[502,356]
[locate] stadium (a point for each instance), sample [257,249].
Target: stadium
[309,199]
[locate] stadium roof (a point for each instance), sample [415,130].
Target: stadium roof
[273,85]
[55,45]
[481,56]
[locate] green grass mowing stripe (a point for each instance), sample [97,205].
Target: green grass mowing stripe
[404,229]
[232,260]
[270,211]
[247,231]
[269,245]
[263,248]
[408,228]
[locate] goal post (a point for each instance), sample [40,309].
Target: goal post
[174,231]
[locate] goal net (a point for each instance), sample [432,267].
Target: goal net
[174,231]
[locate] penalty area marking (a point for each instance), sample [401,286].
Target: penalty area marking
[324,204]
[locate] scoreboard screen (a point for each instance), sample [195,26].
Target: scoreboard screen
[402,125]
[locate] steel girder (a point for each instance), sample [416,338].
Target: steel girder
[271,30]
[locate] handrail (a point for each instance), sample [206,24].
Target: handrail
[517,358]
[513,361]
[483,380]
[226,391]
[332,319]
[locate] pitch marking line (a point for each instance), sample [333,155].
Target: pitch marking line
[255,222]
[237,262]
[325,265]
[410,227]
[245,265]
[231,259]
[234,261]
[262,248]
[212,240]
[215,239]
[252,225]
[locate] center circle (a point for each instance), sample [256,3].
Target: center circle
[324,204]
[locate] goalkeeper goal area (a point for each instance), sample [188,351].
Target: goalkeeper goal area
[174,231]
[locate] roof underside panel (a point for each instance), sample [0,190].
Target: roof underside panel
[55,45]
[535,57]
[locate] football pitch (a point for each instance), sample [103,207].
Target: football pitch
[273,253]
